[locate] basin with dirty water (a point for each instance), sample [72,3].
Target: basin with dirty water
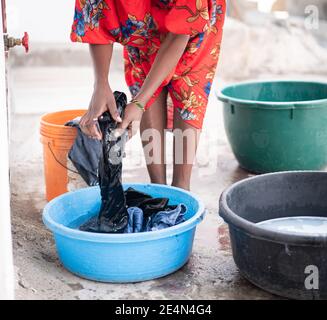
[277,225]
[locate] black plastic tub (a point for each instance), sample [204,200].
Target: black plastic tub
[283,263]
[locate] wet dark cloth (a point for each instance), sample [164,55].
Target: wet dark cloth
[134,198]
[113,216]
[155,215]
[145,202]
[138,222]
[151,213]
[85,154]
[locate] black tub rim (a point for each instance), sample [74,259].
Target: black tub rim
[272,105]
[253,230]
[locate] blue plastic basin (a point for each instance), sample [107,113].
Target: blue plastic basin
[120,257]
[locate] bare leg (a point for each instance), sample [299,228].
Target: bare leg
[186,140]
[152,129]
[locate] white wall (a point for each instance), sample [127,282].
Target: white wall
[45,20]
[6,259]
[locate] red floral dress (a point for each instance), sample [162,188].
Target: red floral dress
[141,25]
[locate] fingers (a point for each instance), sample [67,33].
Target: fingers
[89,127]
[112,108]
[122,127]
[130,132]
[131,126]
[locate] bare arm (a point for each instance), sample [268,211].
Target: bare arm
[166,60]
[102,99]
[101,58]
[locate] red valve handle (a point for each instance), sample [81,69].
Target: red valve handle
[25,42]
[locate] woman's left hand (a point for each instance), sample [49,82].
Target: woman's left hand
[131,121]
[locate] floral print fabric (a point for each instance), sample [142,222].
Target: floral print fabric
[141,25]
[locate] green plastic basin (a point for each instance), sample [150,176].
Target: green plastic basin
[277,125]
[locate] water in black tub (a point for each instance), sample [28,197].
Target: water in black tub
[306,225]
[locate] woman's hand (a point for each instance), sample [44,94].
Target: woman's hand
[131,122]
[102,100]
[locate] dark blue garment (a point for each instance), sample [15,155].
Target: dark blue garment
[158,221]
[135,221]
[166,219]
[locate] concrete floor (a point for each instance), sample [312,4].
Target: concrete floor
[209,274]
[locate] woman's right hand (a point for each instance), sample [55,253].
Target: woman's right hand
[102,100]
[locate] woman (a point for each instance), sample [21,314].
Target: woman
[171,48]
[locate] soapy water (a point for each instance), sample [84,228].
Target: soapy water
[313,226]
[75,224]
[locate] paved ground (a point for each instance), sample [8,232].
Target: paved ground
[210,273]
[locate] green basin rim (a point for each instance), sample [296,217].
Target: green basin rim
[272,105]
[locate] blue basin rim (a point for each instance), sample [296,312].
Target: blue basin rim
[60,229]
[258,232]
[271,105]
